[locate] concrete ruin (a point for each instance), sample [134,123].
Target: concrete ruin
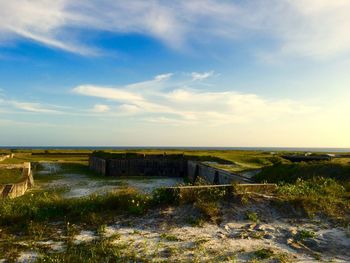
[19,188]
[7,156]
[161,165]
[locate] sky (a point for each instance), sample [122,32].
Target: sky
[232,73]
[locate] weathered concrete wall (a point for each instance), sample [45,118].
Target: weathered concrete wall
[154,165]
[4,157]
[147,166]
[18,189]
[98,165]
[212,175]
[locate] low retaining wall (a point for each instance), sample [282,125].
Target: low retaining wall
[4,157]
[212,175]
[18,189]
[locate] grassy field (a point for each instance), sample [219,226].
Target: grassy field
[313,190]
[235,161]
[8,176]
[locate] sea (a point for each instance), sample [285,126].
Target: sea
[185,148]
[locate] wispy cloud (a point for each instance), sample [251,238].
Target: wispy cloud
[34,107]
[99,108]
[189,105]
[201,76]
[317,29]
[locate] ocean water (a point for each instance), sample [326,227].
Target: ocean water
[268,149]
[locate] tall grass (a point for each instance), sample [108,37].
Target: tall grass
[290,173]
[318,196]
[48,206]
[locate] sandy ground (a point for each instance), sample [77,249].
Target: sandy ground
[165,235]
[79,185]
[168,234]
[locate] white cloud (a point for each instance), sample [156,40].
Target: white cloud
[314,28]
[163,76]
[185,106]
[107,93]
[31,106]
[100,108]
[201,76]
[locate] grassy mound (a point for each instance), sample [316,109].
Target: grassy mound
[10,176]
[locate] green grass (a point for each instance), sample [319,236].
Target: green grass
[316,188]
[290,173]
[253,217]
[304,234]
[9,176]
[264,253]
[102,250]
[168,237]
[49,206]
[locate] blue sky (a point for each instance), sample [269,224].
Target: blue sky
[175,73]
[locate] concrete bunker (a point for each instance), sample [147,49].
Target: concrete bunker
[156,165]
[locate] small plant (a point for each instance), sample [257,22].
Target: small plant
[304,234]
[264,253]
[168,237]
[36,230]
[101,229]
[195,221]
[252,216]
[71,229]
[209,210]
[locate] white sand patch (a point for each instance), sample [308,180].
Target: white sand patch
[80,185]
[53,245]
[148,185]
[27,257]
[49,168]
[336,235]
[84,236]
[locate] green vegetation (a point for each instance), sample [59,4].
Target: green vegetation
[49,206]
[290,173]
[10,176]
[321,188]
[304,234]
[102,250]
[168,237]
[252,216]
[264,253]
[72,156]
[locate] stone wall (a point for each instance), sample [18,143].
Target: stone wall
[19,188]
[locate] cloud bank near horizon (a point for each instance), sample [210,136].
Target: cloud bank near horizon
[157,100]
[174,104]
